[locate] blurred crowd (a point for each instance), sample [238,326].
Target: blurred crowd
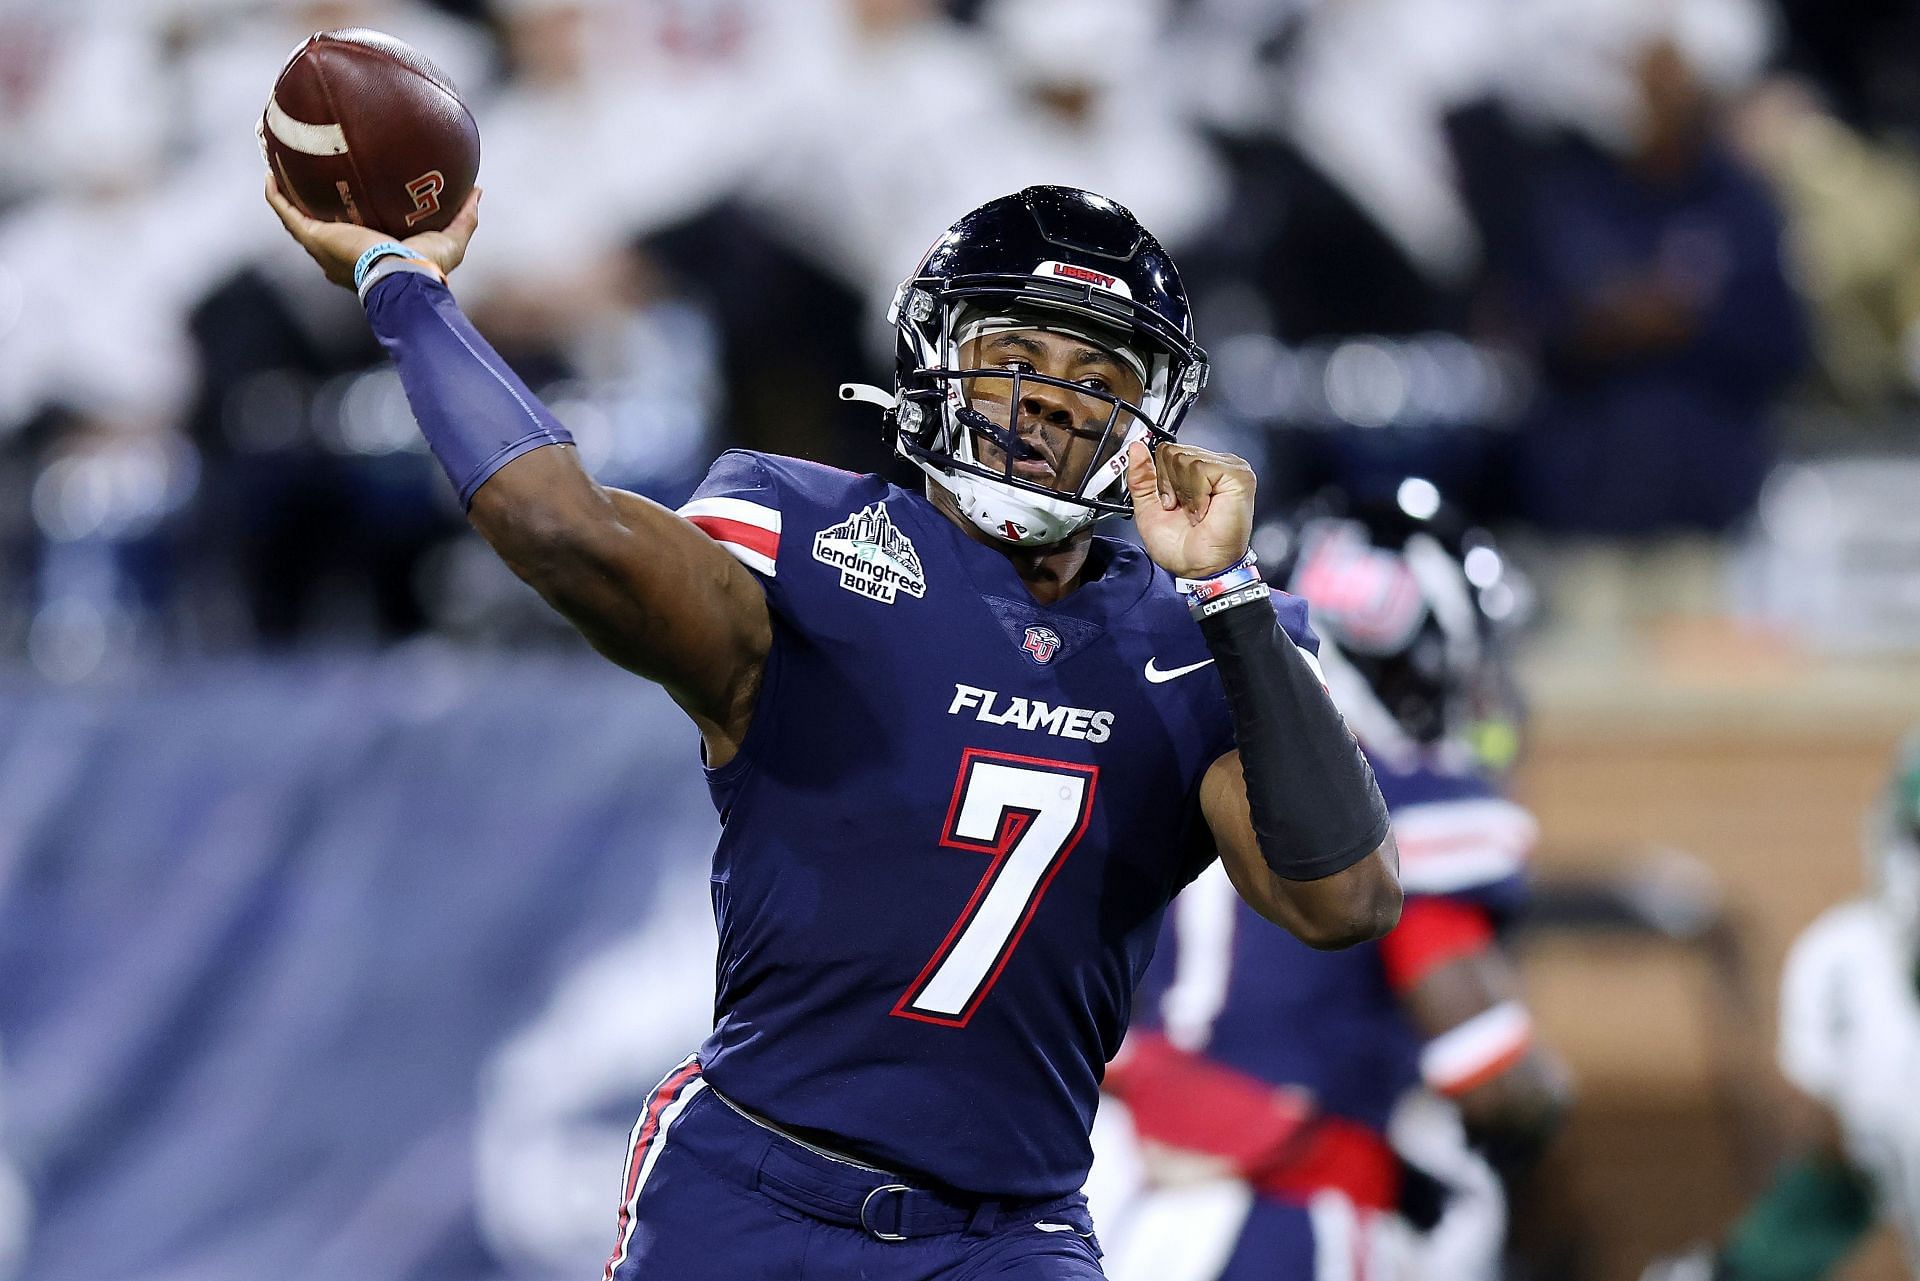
[1592,266]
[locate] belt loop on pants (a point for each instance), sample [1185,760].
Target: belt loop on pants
[840,1190]
[897,1212]
[900,1192]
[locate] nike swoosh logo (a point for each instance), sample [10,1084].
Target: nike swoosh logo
[1160,676]
[1056,1227]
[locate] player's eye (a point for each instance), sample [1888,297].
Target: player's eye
[1014,364]
[1096,384]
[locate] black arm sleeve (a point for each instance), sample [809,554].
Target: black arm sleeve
[1316,808]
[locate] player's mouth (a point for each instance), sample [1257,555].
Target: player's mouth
[1036,469]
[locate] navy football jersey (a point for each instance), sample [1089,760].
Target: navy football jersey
[951,831]
[1228,986]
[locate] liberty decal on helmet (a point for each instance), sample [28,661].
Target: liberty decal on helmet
[874,558]
[1085,275]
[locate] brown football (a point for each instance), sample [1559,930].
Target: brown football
[361,128]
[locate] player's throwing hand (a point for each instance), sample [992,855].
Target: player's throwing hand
[1192,506]
[336,246]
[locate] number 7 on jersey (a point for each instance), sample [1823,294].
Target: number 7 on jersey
[1027,814]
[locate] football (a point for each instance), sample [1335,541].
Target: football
[360,127]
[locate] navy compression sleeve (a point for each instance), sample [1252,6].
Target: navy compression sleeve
[1315,806]
[474,411]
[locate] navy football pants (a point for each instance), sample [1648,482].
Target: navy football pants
[710,1195]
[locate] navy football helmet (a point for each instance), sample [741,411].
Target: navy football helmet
[1052,258]
[1415,608]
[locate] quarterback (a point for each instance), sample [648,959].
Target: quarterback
[964,751]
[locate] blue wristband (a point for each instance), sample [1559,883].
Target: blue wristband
[1204,595]
[385,249]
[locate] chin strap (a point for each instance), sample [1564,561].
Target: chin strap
[971,419]
[1016,448]
[867,394]
[905,417]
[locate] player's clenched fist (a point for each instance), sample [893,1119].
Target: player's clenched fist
[1192,506]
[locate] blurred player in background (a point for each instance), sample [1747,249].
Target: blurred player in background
[889,686]
[1850,1045]
[1296,1112]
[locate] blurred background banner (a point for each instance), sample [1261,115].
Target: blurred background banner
[270,934]
[347,906]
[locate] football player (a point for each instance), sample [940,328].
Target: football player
[1289,1104]
[1850,1046]
[964,751]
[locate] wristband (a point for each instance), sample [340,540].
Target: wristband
[374,253]
[1205,595]
[393,266]
[1474,1052]
[1256,590]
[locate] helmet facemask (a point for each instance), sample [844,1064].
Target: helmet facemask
[951,404]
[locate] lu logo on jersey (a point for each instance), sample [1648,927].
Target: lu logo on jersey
[874,558]
[1041,644]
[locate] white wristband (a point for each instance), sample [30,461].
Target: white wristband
[393,266]
[1478,1050]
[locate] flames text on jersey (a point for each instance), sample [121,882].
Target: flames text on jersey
[1031,714]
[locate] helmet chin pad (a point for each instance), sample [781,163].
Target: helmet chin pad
[1012,515]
